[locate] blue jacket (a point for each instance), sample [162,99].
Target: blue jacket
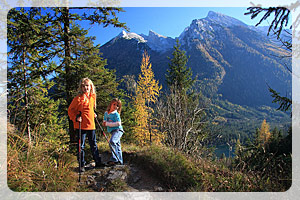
[113,121]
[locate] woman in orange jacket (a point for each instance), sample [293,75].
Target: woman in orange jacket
[84,103]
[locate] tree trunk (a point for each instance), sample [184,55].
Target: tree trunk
[27,126]
[149,122]
[67,64]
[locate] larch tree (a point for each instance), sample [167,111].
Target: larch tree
[147,92]
[264,133]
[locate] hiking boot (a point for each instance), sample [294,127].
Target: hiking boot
[82,169]
[118,163]
[99,165]
[112,163]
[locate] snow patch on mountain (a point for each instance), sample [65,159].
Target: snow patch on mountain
[198,30]
[224,20]
[154,40]
[158,42]
[205,29]
[130,36]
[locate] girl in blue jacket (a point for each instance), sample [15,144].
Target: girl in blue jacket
[112,121]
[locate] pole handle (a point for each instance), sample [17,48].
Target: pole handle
[78,115]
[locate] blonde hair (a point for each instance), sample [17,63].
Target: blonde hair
[87,80]
[119,105]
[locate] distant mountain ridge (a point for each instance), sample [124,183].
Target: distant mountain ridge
[158,42]
[230,58]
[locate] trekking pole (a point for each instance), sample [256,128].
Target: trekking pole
[79,146]
[112,149]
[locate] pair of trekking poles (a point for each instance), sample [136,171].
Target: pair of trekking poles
[79,144]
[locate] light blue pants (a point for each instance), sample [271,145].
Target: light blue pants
[115,143]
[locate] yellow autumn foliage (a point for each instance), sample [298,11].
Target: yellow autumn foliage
[147,92]
[264,133]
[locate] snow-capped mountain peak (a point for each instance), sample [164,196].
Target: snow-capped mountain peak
[159,42]
[205,29]
[154,40]
[154,34]
[130,35]
[223,19]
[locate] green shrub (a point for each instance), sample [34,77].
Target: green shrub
[180,172]
[270,163]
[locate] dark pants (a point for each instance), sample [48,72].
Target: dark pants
[93,144]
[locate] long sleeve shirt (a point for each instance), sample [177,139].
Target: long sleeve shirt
[113,121]
[85,104]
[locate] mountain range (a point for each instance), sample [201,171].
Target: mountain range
[232,61]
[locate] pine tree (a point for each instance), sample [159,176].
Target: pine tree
[61,43]
[27,54]
[102,16]
[88,62]
[147,93]
[180,111]
[179,76]
[67,34]
[276,135]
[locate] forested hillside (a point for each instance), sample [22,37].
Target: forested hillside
[234,65]
[229,58]
[178,104]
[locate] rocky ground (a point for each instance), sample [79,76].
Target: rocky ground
[129,177]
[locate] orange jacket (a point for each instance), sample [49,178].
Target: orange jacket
[86,105]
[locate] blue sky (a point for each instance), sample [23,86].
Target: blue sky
[167,21]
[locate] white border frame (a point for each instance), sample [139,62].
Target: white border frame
[292,193]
